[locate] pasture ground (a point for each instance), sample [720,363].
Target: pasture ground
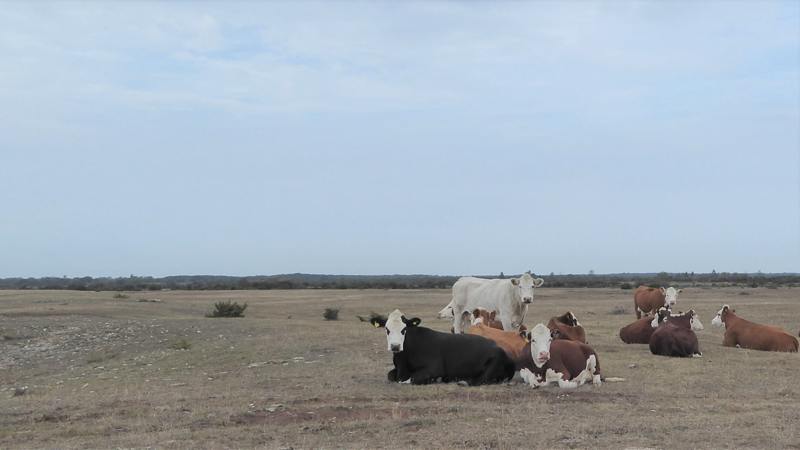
[87,370]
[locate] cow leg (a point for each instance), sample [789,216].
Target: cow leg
[457,320]
[392,375]
[531,379]
[421,377]
[563,379]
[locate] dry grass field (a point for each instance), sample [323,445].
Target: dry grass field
[87,370]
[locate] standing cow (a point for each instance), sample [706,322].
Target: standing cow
[746,334]
[647,300]
[422,355]
[509,297]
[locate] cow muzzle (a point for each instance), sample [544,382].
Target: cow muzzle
[544,356]
[395,348]
[527,300]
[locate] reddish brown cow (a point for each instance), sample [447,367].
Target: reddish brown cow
[486,317]
[511,342]
[639,332]
[568,363]
[674,335]
[647,300]
[567,327]
[745,334]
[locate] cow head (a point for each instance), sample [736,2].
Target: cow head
[661,316]
[722,316]
[396,325]
[569,319]
[525,285]
[695,323]
[670,295]
[446,312]
[540,338]
[480,315]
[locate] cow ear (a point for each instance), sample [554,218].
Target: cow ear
[413,322]
[538,282]
[492,315]
[514,281]
[663,291]
[525,335]
[378,322]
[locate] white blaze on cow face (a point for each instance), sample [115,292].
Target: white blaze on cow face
[671,295]
[717,321]
[540,340]
[395,331]
[525,285]
[695,322]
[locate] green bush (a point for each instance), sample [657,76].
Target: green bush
[626,286]
[227,309]
[120,295]
[331,314]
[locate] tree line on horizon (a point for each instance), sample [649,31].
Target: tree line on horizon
[314,281]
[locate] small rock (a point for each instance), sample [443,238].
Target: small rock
[274,407]
[632,366]
[22,390]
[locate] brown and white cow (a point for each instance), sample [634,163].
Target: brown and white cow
[675,334]
[647,300]
[568,363]
[512,342]
[568,327]
[639,332]
[486,317]
[745,334]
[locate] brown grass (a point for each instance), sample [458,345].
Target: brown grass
[271,381]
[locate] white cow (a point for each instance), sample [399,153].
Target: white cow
[509,297]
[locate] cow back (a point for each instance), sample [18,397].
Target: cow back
[648,299]
[674,340]
[638,332]
[510,341]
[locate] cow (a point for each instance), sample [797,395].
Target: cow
[509,297]
[512,342]
[639,332]
[568,363]
[480,315]
[745,334]
[647,300]
[422,355]
[567,327]
[674,335]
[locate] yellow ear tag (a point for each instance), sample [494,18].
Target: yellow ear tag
[376,325]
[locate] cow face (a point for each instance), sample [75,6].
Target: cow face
[480,315]
[525,285]
[660,317]
[396,326]
[540,338]
[671,295]
[571,320]
[719,319]
[695,321]
[446,312]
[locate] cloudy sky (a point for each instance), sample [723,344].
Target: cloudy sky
[373,138]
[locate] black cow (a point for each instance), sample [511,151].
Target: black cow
[422,355]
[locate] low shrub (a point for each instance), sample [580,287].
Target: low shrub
[181,344]
[227,309]
[626,286]
[618,310]
[120,295]
[331,314]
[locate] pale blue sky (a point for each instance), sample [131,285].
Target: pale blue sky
[375,138]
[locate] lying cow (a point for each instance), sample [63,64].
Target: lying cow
[674,335]
[480,315]
[422,355]
[647,300]
[509,297]
[512,342]
[567,327]
[568,363]
[743,333]
[639,332]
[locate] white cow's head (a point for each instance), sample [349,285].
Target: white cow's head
[719,319]
[661,316]
[540,338]
[446,312]
[396,325]
[525,285]
[695,322]
[671,295]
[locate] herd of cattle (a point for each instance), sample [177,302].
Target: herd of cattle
[489,343]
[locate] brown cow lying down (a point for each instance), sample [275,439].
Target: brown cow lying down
[675,334]
[639,332]
[647,300]
[568,327]
[511,342]
[568,363]
[746,334]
